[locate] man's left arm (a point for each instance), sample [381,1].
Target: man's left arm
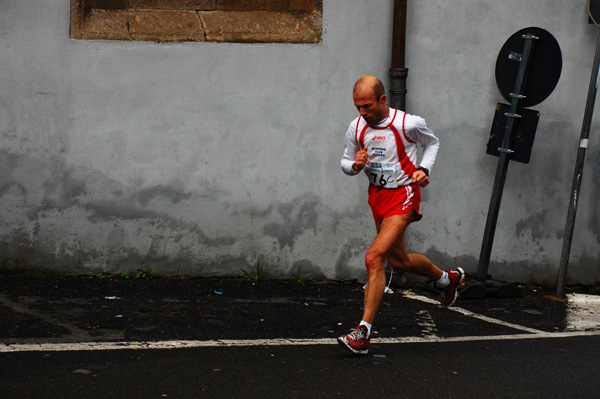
[430,143]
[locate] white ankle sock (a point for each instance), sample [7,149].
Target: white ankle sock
[444,281]
[364,323]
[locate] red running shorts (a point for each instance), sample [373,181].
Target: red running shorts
[386,202]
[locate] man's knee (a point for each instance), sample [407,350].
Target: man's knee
[374,260]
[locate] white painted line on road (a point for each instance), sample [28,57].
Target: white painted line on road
[583,312]
[107,346]
[507,337]
[427,324]
[412,295]
[96,346]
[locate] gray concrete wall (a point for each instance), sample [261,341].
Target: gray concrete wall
[202,159]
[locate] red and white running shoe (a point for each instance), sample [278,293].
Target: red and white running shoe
[356,340]
[450,293]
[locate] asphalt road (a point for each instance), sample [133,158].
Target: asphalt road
[81,337]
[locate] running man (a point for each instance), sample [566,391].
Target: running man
[382,141]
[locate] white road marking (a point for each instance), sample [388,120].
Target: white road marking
[508,337]
[427,324]
[583,314]
[106,346]
[412,295]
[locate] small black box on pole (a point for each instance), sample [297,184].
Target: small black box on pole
[525,135]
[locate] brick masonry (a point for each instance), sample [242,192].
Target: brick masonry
[221,21]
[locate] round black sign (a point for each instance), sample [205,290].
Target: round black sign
[544,71]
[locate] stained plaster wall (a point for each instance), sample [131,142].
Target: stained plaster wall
[202,159]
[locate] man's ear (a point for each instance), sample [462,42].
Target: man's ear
[383,99]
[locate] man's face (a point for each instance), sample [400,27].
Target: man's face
[372,109]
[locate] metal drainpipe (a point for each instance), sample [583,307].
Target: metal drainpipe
[398,72]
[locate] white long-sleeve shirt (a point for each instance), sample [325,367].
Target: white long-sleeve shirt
[391,148]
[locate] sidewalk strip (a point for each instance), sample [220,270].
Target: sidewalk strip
[584,312]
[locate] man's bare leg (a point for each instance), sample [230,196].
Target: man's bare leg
[447,282]
[390,235]
[390,244]
[403,261]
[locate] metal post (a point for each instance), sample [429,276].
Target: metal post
[505,152]
[398,72]
[583,143]
[398,88]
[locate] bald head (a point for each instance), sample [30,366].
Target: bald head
[370,99]
[369,85]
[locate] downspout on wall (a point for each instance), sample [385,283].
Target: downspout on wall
[398,72]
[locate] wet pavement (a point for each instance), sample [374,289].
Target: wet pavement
[229,337]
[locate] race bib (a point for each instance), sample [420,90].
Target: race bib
[382,174]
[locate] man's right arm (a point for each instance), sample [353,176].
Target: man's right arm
[351,150]
[360,160]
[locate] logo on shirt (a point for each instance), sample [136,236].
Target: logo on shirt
[378,151]
[378,138]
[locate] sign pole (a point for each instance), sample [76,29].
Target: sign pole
[505,152]
[583,144]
